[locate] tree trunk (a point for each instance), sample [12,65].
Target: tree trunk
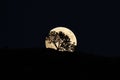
[55,46]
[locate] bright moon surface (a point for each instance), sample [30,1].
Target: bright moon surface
[67,32]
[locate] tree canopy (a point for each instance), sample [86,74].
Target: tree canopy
[61,41]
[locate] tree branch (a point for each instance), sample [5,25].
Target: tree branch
[55,45]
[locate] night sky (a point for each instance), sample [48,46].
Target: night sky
[95,24]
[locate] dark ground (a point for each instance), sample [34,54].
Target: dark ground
[46,60]
[47,63]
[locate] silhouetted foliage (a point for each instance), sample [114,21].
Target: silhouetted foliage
[61,41]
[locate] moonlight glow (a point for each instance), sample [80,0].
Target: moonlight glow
[59,43]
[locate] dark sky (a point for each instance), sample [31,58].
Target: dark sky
[94,23]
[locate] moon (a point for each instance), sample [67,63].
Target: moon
[67,32]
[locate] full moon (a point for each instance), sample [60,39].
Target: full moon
[55,41]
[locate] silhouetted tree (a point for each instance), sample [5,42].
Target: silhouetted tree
[61,41]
